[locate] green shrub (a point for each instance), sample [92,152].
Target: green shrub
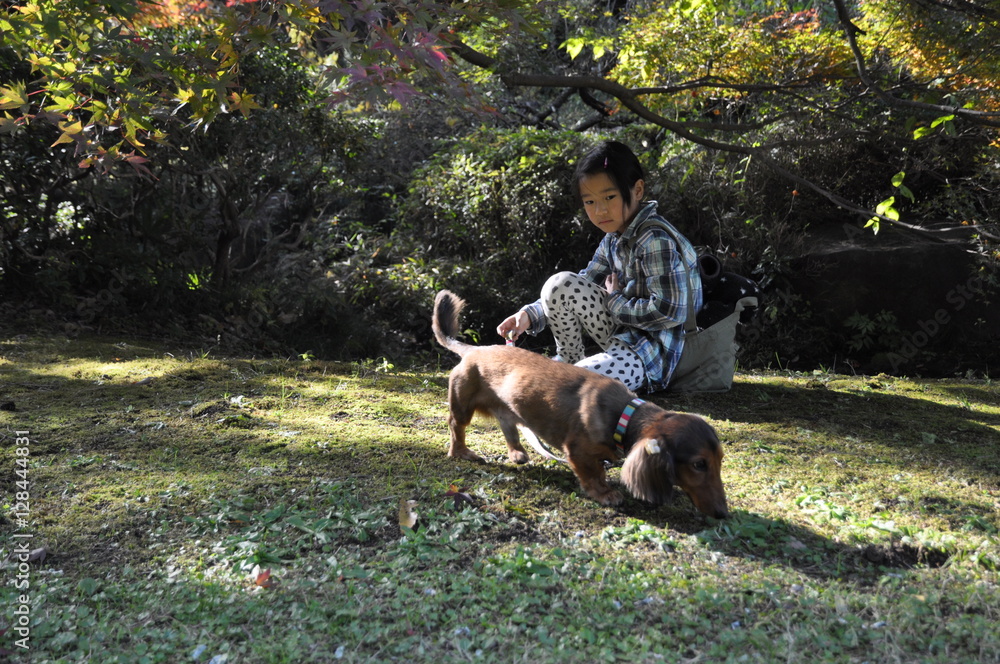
[499,204]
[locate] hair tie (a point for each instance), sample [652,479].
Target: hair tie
[605,163]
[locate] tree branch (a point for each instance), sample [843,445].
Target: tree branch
[629,98]
[851,31]
[589,100]
[964,7]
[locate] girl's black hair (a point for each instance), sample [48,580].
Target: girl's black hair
[617,161]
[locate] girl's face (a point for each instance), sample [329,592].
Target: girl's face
[604,203]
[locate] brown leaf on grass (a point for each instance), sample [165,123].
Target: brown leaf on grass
[408,514]
[265,580]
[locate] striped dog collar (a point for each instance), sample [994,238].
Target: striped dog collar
[624,420]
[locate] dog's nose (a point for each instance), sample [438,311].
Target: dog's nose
[718,509]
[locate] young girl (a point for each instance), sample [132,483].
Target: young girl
[632,299]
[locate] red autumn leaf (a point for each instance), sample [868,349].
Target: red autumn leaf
[265,580]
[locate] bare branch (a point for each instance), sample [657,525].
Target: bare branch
[551,108]
[589,100]
[587,123]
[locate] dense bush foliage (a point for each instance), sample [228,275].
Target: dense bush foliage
[500,203]
[283,181]
[208,229]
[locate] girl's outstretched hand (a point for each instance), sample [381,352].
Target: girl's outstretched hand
[512,326]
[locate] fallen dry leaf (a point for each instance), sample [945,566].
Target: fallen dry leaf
[407,514]
[796,544]
[265,580]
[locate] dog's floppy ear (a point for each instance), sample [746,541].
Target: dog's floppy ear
[648,472]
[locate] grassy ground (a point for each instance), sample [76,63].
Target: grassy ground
[165,484]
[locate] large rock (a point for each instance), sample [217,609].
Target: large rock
[938,292]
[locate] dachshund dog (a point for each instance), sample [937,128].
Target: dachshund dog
[582,413]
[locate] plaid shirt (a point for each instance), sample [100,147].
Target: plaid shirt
[652,305]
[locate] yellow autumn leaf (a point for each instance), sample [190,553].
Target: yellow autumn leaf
[71,131]
[13,97]
[184,96]
[242,103]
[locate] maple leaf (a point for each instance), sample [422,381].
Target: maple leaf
[14,97]
[71,132]
[139,164]
[243,103]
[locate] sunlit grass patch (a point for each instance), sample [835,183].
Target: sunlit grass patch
[188,516]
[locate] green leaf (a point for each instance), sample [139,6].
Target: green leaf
[886,205]
[14,97]
[920,132]
[690,8]
[7,124]
[63,104]
[298,522]
[88,586]
[573,46]
[897,182]
[941,120]
[886,209]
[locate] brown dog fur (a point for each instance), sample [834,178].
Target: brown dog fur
[577,410]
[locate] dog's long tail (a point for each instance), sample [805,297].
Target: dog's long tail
[447,307]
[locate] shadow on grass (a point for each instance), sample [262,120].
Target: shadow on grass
[950,436]
[755,537]
[752,536]
[108,446]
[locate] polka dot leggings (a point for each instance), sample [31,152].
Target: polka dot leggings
[573,307]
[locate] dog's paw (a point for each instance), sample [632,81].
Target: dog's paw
[610,498]
[517,456]
[467,455]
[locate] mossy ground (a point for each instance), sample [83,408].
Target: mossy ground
[164,480]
